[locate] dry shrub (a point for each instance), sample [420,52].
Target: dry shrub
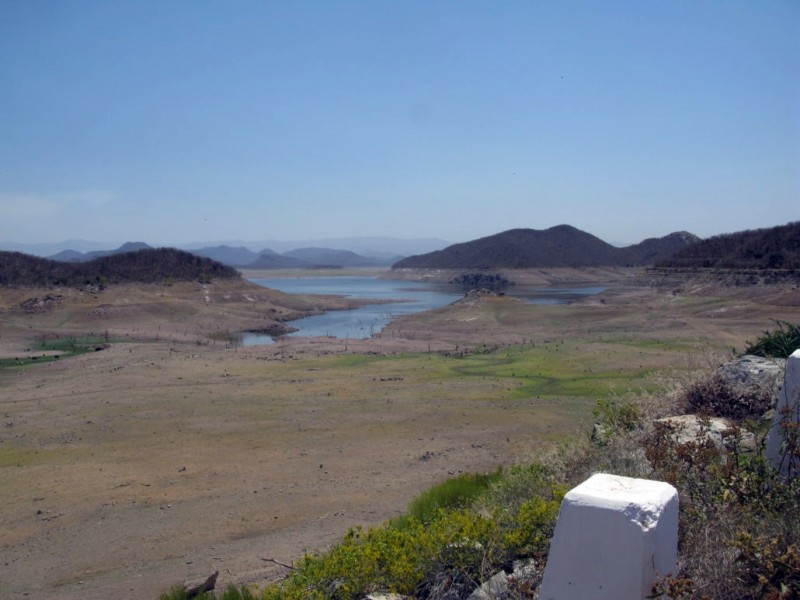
[731,503]
[714,394]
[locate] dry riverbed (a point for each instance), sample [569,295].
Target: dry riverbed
[129,469]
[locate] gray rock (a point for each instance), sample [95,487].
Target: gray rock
[525,569]
[493,589]
[195,588]
[694,428]
[755,371]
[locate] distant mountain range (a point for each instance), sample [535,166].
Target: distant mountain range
[301,258]
[383,249]
[560,246]
[75,256]
[241,257]
[771,248]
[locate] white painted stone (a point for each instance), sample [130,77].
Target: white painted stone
[614,537]
[788,402]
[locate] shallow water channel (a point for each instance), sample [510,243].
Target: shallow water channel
[411,297]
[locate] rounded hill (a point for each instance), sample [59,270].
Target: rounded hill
[562,246]
[145,266]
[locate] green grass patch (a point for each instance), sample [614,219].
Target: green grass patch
[555,370]
[457,492]
[67,346]
[649,344]
[231,593]
[16,457]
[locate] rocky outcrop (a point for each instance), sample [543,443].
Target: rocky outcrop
[44,304]
[722,432]
[755,371]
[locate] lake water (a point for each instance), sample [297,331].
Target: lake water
[414,296]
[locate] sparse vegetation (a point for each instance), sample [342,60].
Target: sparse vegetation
[55,349]
[739,531]
[231,593]
[443,557]
[535,385]
[714,394]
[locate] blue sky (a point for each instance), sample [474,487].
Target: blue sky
[178,121]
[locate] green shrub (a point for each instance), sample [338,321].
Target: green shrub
[617,415]
[533,527]
[778,343]
[770,565]
[518,485]
[176,593]
[397,560]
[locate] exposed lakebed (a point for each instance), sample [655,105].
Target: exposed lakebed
[394,298]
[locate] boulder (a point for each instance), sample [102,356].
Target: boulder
[195,588]
[614,537]
[755,371]
[492,589]
[719,430]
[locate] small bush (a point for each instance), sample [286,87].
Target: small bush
[518,485]
[778,343]
[533,526]
[714,394]
[406,561]
[617,415]
[770,565]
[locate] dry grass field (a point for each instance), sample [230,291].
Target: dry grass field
[172,453]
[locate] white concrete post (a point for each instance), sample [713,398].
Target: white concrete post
[614,537]
[786,412]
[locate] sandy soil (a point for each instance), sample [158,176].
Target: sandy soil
[127,470]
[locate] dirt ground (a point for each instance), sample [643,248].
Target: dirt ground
[127,470]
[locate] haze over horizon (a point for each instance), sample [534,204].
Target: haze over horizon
[191,121]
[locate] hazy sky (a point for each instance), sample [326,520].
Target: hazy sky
[177,121]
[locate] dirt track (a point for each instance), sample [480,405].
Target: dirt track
[130,469]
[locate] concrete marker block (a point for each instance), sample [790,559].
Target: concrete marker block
[788,407]
[614,537]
